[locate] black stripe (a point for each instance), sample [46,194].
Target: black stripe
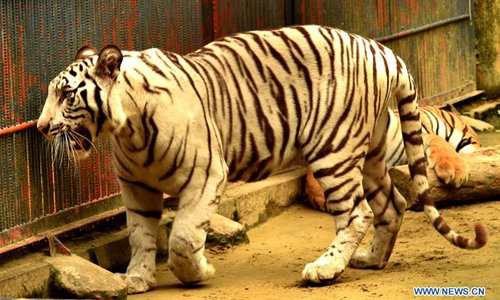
[100,113]
[152,142]
[146,59]
[257,39]
[255,59]
[351,219]
[376,151]
[298,112]
[324,172]
[406,100]
[146,84]
[373,194]
[327,146]
[313,48]
[292,44]
[410,117]
[399,151]
[334,189]
[275,53]
[147,213]
[419,167]
[77,117]
[122,165]
[175,164]
[414,137]
[172,135]
[207,126]
[279,96]
[190,176]
[331,100]
[140,184]
[125,76]
[87,107]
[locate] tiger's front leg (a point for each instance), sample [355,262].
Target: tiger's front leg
[197,205]
[143,208]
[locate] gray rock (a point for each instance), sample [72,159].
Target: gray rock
[226,231]
[75,277]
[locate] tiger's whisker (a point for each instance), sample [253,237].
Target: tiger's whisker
[85,138]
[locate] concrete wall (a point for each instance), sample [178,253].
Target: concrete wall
[487,21]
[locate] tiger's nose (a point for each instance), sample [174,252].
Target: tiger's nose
[43,128]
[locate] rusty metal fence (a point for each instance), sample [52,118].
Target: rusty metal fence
[434,37]
[40,37]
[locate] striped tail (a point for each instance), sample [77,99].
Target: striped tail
[412,136]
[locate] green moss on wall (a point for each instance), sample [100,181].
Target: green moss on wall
[487,25]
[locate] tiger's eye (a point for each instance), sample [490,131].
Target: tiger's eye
[66,94]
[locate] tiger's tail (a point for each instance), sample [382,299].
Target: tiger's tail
[406,96]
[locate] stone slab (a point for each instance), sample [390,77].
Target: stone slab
[25,278]
[75,277]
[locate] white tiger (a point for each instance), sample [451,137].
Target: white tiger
[244,107]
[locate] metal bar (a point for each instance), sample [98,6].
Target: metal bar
[416,30]
[60,230]
[461,98]
[207,11]
[452,94]
[17,128]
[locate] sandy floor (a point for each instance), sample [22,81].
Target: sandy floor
[270,266]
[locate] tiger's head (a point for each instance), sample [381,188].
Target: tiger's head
[74,113]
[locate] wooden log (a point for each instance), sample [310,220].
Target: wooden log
[483,184]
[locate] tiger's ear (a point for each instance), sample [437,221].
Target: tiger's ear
[85,52]
[109,61]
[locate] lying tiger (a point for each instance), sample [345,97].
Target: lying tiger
[242,108]
[444,135]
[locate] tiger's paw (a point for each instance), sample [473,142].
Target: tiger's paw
[447,164]
[361,259]
[324,269]
[136,284]
[192,275]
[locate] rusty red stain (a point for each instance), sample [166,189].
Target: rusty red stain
[113,30]
[216,18]
[303,12]
[21,66]
[319,11]
[380,15]
[28,188]
[133,20]
[6,69]
[130,36]
[43,87]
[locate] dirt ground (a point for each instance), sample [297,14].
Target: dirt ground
[270,266]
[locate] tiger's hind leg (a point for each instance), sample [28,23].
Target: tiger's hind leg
[342,183]
[388,206]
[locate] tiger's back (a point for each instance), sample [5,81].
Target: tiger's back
[278,96]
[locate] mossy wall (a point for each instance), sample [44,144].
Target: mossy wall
[487,21]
